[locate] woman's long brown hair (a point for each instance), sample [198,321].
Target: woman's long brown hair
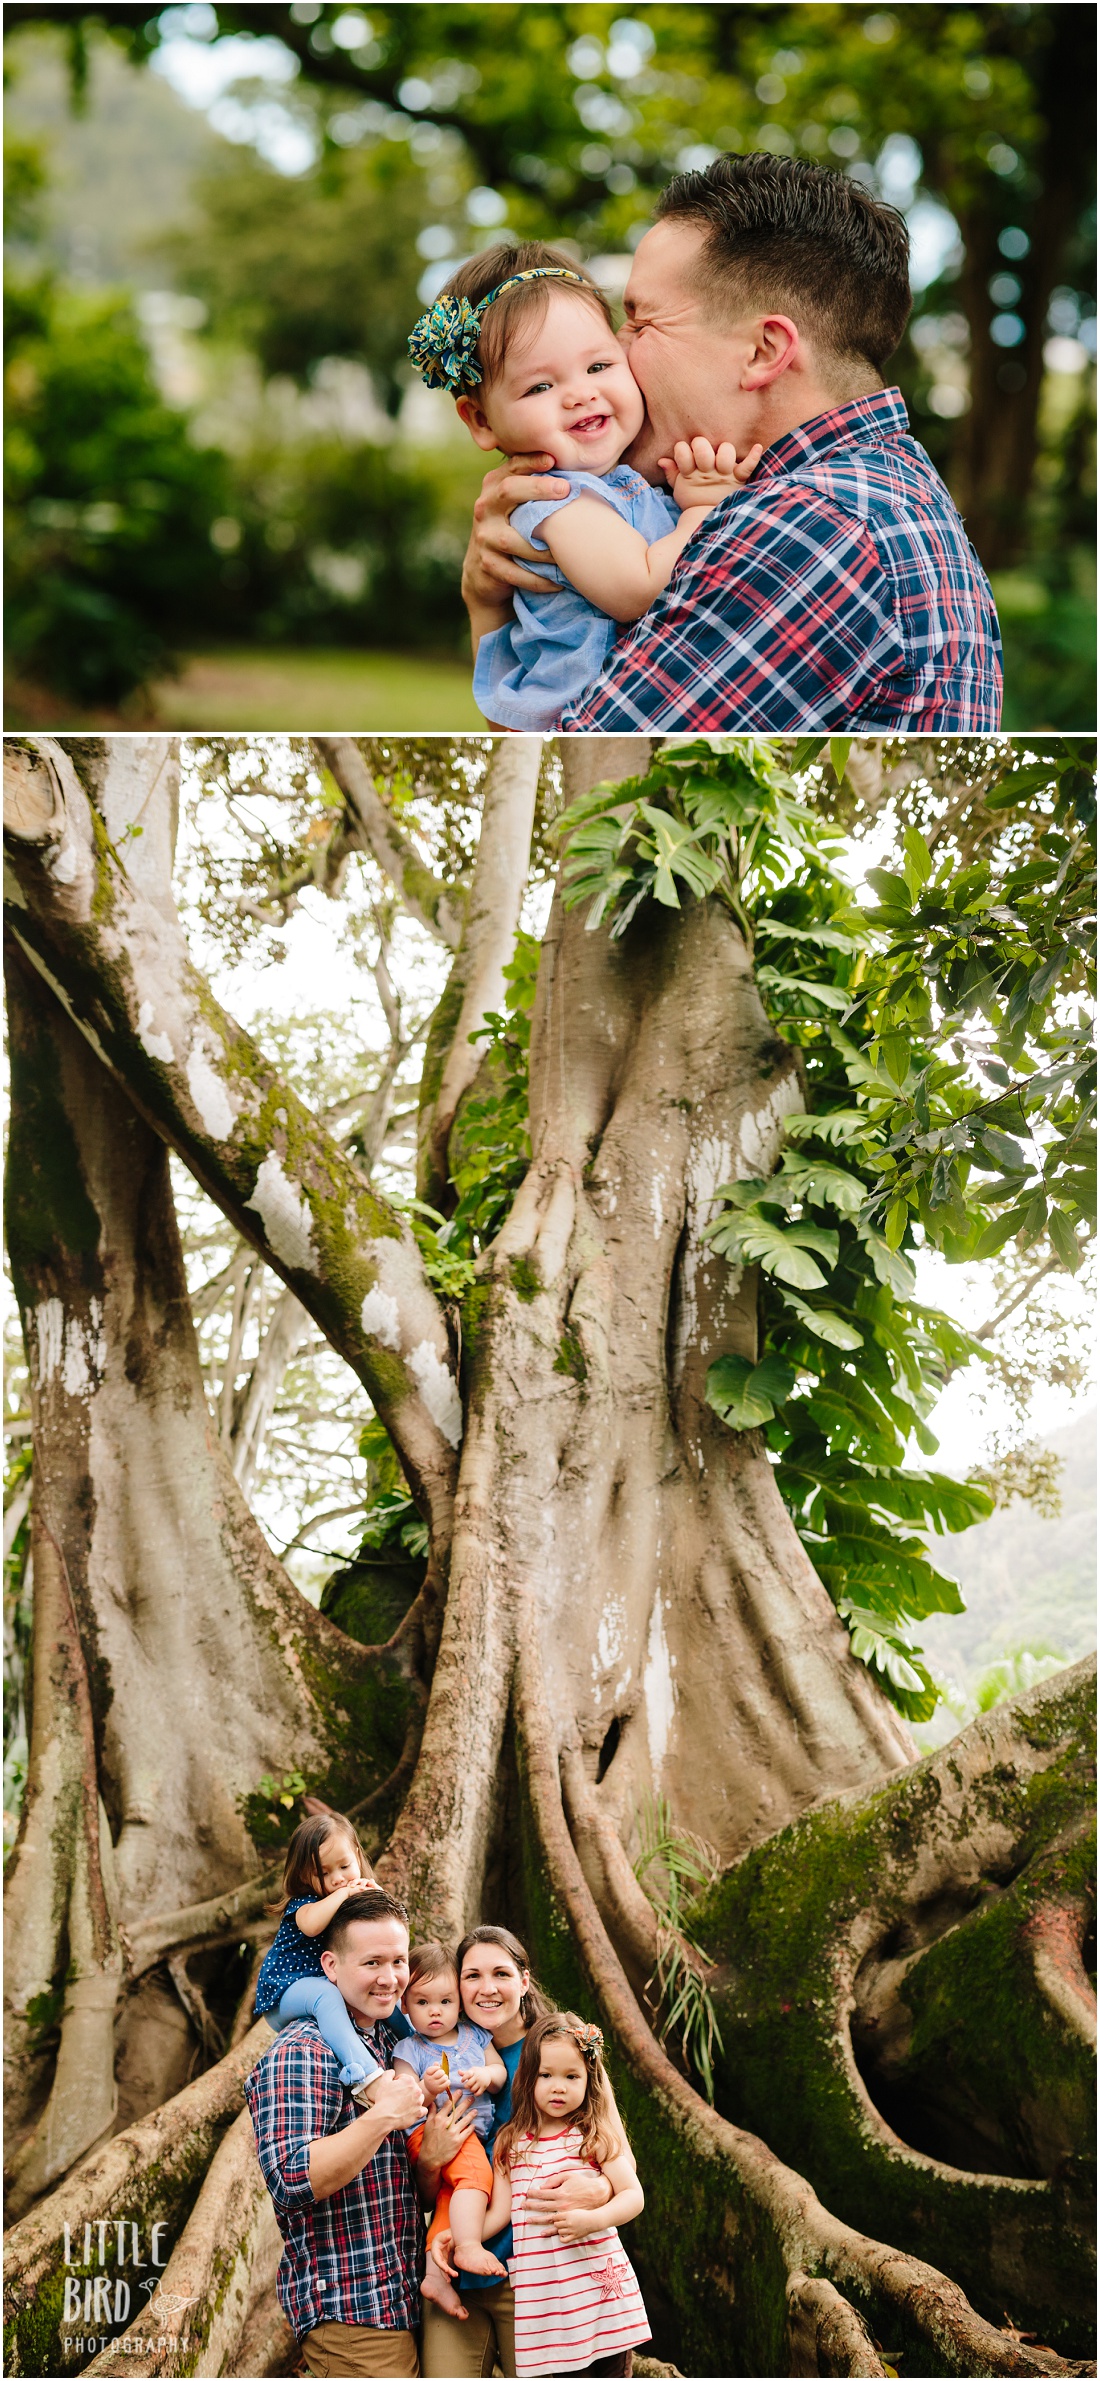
[594,2120]
[534,2003]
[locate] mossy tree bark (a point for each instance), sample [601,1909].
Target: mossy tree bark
[628,1609]
[174,1660]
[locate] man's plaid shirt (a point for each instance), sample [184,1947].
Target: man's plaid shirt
[357,2257]
[837,590]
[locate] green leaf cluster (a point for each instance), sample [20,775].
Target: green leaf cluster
[979,1013]
[110,503]
[392,1524]
[721,817]
[269,1812]
[906,1139]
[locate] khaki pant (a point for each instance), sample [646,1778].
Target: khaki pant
[339,2349]
[485,2343]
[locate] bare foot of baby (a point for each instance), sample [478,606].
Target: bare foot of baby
[441,2292]
[473,2259]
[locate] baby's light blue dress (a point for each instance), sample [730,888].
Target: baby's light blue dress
[557,643]
[472,2048]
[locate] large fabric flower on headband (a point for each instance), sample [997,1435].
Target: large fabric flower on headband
[444,345]
[590,2040]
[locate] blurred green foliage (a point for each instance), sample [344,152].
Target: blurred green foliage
[435,128]
[325,265]
[109,506]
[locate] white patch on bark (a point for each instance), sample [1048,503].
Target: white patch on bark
[284,1212]
[77,1350]
[609,1646]
[380,1319]
[214,1105]
[758,1132]
[658,1210]
[609,1637]
[658,1688]
[155,1045]
[49,1325]
[75,1377]
[438,1390]
[64,863]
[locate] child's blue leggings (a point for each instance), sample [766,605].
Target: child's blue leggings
[314,1996]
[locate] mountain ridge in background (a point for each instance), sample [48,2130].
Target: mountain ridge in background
[1028,1581]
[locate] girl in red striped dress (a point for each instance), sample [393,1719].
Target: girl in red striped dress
[578,2305]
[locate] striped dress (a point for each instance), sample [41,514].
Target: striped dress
[576,2301]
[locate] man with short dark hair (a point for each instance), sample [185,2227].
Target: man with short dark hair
[340,2180]
[838,589]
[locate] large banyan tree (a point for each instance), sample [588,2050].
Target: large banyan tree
[648,1355]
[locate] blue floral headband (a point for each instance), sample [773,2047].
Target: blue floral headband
[443,345]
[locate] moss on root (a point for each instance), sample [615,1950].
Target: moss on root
[570,1356]
[525,1279]
[779,1926]
[164,2193]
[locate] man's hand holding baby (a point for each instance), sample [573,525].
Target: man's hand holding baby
[702,475]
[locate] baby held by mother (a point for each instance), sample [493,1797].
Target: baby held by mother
[445,2082]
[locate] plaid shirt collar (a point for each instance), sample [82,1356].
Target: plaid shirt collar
[862,421]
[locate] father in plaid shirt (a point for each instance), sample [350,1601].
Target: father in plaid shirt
[340,2180]
[838,588]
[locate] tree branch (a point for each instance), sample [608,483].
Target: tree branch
[476,983]
[255,1404]
[104,933]
[986,1330]
[171,1930]
[424,894]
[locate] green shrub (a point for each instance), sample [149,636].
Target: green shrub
[109,505]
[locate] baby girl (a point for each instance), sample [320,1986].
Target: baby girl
[523,338]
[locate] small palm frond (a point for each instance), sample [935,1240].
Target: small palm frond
[673,1868]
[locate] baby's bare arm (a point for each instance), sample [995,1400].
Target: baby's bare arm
[314,1917]
[608,561]
[611,563]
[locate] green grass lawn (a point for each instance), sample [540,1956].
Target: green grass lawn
[318,688]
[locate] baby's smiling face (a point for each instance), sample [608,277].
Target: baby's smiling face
[564,389]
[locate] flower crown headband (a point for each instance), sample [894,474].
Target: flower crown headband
[443,345]
[588,2038]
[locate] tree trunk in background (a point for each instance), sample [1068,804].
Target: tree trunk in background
[675,1603]
[174,1661]
[997,444]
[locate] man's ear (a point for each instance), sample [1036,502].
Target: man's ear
[470,412]
[776,345]
[328,1962]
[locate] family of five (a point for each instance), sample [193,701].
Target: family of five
[434,2081]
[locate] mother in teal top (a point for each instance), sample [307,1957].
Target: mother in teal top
[477,2335]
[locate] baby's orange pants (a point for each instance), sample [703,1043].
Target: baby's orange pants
[468,2170]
